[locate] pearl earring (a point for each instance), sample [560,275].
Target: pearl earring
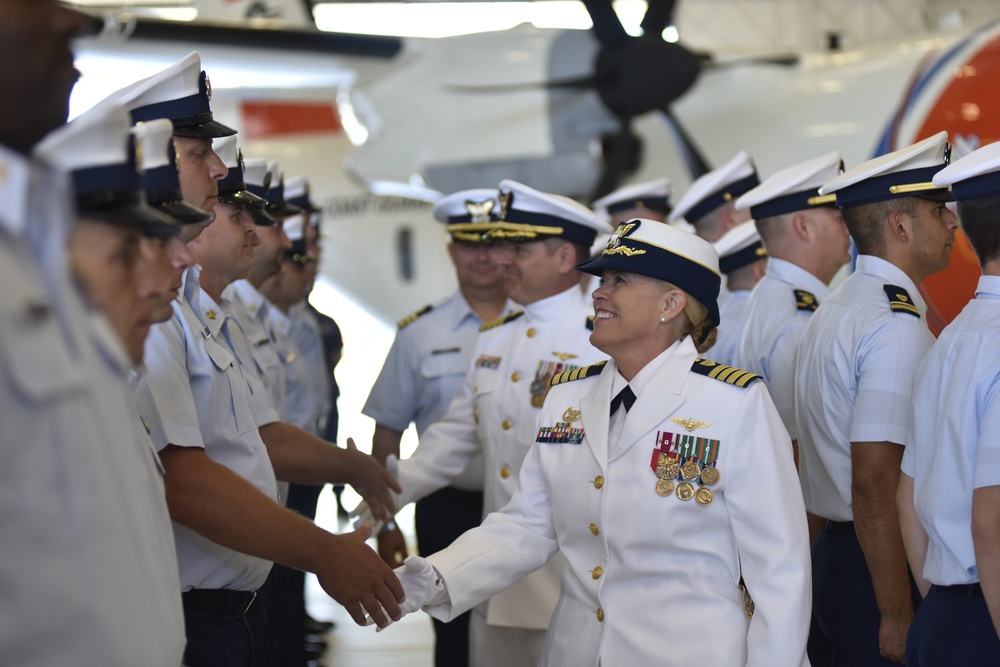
[663,320]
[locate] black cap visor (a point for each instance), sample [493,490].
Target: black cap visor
[261,218]
[210,129]
[147,220]
[183,212]
[283,208]
[242,198]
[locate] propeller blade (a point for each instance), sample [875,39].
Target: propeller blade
[281,39]
[659,14]
[607,26]
[578,83]
[622,153]
[696,163]
[780,59]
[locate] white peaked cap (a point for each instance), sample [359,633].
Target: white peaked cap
[740,246]
[255,171]
[975,176]
[526,214]
[654,195]
[793,189]
[908,172]
[294,227]
[154,139]
[716,188]
[227,149]
[96,138]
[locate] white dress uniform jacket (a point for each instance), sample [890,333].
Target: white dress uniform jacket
[424,369]
[85,574]
[732,317]
[651,579]
[194,394]
[493,414]
[781,305]
[856,362]
[953,447]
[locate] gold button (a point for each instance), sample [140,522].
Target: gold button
[596,572]
[600,614]
[505,472]
[506,424]
[515,376]
[593,529]
[599,482]
[531,333]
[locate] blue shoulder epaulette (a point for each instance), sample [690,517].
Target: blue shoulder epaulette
[590,322]
[577,373]
[900,300]
[412,317]
[500,321]
[805,300]
[723,373]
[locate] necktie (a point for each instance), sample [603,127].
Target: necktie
[624,396]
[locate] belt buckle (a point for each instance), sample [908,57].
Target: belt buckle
[253,598]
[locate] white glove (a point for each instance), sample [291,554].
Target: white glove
[363,514]
[422,585]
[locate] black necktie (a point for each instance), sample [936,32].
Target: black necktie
[624,396]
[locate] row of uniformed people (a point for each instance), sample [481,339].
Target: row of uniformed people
[91,483]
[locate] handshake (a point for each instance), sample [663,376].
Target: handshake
[422,585]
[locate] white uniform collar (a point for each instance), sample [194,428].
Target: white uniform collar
[989,286]
[281,321]
[876,266]
[211,314]
[15,180]
[555,307]
[796,276]
[463,310]
[646,374]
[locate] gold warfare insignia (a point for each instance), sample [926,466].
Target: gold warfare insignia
[572,415]
[689,424]
[505,199]
[211,314]
[565,356]
[479,211]
[614,246]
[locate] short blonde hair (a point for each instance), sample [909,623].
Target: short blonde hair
[698,324]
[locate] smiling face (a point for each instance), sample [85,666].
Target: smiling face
[636,317]
[108,260]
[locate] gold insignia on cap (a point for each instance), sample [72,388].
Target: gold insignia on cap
[3,172]
[139,166]
[479,211]
[208,86]
[690,424]
[565,356]
[505,199]
[614,246]
[572,415]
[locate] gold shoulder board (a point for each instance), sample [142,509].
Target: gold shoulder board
[723,373]
[500,321]
[412,317]
[577,374]
[900,300]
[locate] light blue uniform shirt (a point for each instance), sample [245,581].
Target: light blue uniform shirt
[308,338]
[772,329]
[250,308]
[954,447]
[302,406]
[194,394]
[856,363]
[84,572]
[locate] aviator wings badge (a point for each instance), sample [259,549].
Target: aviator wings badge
[689,424]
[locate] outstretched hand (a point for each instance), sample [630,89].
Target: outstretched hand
[374,483]
[356,577]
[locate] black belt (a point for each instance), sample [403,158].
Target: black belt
[959,590]
[840,527]
[218,600]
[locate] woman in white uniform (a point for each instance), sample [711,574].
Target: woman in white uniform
[665,480]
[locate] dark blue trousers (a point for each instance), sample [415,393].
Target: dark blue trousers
[845,615]
[953,627]
[221,630]
[440,519]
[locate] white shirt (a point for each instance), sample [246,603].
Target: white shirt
[732,316]
[423,371]
[194,394]
[83,561]
[493,414]
[652,579]
[856,362]
[771,331]
[953,447]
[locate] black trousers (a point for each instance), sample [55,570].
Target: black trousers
[224,629]
[845,615]
[440,519]
[952,627]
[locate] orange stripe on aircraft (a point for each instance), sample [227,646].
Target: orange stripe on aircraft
[264,120]
[968,107]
